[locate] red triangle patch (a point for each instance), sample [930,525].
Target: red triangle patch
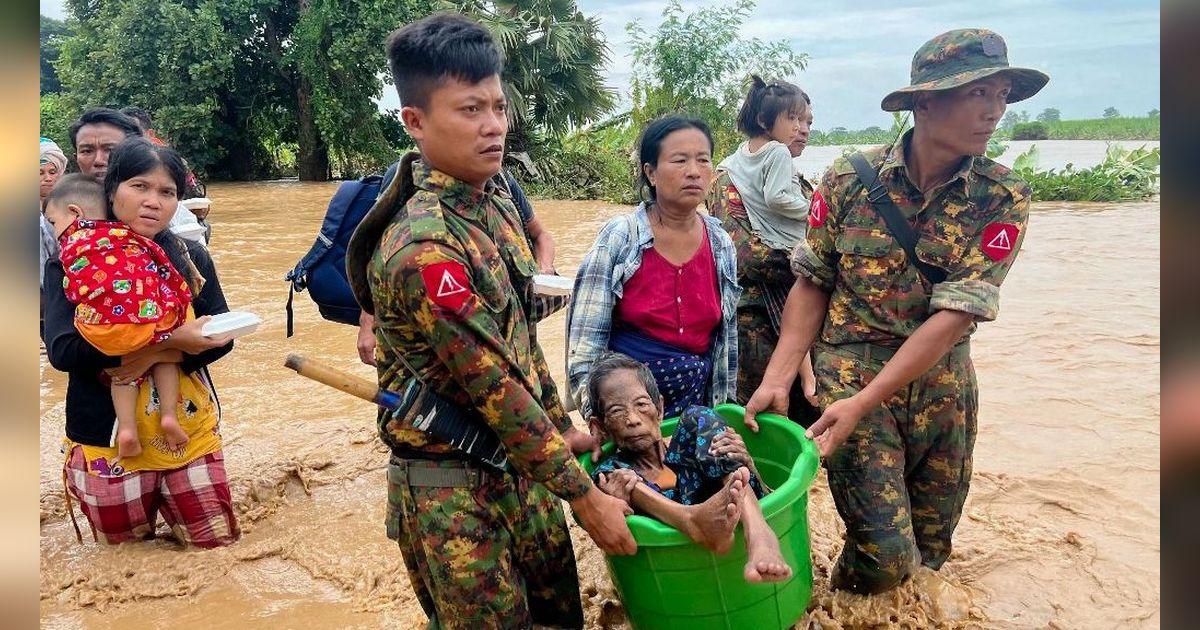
[999,240]
[818,210]
[446,284]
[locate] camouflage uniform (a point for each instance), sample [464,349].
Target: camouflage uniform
[451,286]
[902,477]
[760,269]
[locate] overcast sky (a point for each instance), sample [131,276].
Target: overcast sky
[1098,53]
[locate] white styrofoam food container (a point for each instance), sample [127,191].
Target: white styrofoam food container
[234,323]
[546,284]
[190,231]
[196,202]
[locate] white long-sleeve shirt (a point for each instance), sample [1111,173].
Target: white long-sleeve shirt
[774,200]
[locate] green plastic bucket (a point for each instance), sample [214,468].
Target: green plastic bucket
[673,583]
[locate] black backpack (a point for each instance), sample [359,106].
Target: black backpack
[323,269]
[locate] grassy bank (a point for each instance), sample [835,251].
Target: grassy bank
[1144,128]
[1126,128]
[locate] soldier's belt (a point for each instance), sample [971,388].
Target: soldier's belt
[877,352]
[427,474]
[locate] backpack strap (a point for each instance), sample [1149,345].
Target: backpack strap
[366,236]
[900,228]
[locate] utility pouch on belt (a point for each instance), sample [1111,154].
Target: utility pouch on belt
[425,410]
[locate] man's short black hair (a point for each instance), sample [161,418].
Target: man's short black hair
[610,362]
[140,115]
[80,190]
[103,116]
[443,45]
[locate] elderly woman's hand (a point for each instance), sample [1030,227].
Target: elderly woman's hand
[190,337]
[619,483]
[729,444]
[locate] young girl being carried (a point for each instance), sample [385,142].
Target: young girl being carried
[764,205]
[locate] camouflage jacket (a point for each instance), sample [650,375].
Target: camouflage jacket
[972,226]
[450,282]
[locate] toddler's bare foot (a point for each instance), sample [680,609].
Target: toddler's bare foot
[712,522]
[765,563]
[128,444]
[176,438]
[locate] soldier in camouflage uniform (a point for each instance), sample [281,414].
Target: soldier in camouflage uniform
[442,263]
[893,360]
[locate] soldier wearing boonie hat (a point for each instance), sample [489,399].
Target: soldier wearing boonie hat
[888,307]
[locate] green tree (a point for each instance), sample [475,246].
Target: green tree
[553,58]
[1049,115]
[55,116]
[1153,113]
[229,80]
[1012,119]
[1111,112]
[700,63]
[50,36]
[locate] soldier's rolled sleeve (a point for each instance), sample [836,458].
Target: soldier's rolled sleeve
[815,257]
[974,286]
[483,363]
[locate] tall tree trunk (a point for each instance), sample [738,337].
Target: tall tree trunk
[313,162]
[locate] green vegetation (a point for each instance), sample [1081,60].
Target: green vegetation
[50,38]
[1031,131]
[1140,128]
[1124,174]
[700,63]
[553,59]
[697,63]
[263,88]
[249,89]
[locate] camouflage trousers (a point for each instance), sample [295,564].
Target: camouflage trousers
[756,341]
[491,553]
[902,477]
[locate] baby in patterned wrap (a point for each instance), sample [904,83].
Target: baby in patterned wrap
[701,481]
[127,294]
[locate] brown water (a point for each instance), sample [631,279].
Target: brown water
[1061,528]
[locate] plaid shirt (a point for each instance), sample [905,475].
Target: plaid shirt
[599,284]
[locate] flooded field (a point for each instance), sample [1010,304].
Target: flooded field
[1061,528]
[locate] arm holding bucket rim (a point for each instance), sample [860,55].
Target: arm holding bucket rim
[803,314]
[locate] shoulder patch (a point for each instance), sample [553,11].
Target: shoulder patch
[447,284]
[999,240]
[818,210]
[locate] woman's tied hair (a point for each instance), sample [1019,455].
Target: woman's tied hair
[605,365]
[765,102]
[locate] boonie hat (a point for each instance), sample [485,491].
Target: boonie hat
[959,57]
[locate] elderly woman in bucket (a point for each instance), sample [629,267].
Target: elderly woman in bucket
[907,247]
[702,481]
[660,284]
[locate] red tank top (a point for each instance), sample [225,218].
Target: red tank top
[675,304]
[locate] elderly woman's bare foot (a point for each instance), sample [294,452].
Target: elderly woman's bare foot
[765,563]
[711,524]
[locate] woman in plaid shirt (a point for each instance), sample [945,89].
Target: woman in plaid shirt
[660,284]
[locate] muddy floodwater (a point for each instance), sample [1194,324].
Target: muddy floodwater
[1061,528]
